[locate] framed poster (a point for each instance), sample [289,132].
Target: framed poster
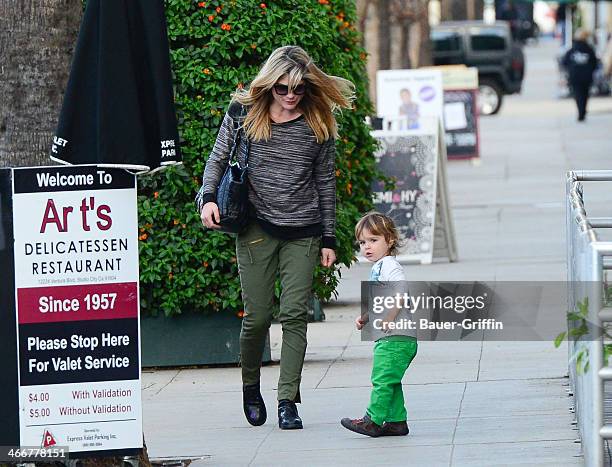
[410,96]
[461,112]
[461,124]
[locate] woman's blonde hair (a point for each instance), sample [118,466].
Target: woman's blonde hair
[379,224]
[324,94]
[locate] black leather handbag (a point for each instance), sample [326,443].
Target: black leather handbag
[232,191]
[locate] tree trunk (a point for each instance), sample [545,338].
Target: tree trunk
[404,44]
[384,35]
[37,40]
[459,10]
[470,6]
[363,7]
[478,9]
[445,10]
[36,45]
[420,45]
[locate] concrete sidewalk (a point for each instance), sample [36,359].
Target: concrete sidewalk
[469,403]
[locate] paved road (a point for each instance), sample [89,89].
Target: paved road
[470,404]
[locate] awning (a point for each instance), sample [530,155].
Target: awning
[118,107]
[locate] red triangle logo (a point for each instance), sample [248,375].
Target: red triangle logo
[48,439]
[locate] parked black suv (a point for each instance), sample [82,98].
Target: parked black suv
[488,47]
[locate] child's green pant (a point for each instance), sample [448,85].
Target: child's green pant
[260,258]
[392,356]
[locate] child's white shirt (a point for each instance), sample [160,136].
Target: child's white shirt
[387,269]
[384,272]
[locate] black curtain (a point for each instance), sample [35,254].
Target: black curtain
[119,107]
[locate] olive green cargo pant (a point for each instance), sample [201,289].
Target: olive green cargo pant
[260,258]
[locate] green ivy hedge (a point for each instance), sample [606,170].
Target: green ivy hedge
[217,46]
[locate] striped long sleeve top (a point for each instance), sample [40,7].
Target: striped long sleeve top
[292,183]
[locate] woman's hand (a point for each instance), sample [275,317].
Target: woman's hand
[360,323]
[210,215]
[328,257]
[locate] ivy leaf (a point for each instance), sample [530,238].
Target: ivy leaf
[559,339]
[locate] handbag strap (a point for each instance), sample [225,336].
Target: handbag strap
[238,134]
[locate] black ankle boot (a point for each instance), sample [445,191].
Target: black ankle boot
[288,418]
[253,404]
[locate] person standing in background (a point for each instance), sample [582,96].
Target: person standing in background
[560,18]
[580,62]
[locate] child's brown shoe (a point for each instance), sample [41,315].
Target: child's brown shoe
[395,429]
[363,426]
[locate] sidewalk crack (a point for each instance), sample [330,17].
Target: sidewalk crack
[168,383]
[480,359]
[259,446]
[339,357]
[457,423]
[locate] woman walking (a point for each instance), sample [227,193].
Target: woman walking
[287,115]
[580,62]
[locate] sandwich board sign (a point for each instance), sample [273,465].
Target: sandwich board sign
[70,249]
[460,85]
[416,161]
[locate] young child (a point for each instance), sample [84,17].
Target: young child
[393,352]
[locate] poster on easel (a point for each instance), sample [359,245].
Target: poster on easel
[415,159]
[460,85]
[407,98]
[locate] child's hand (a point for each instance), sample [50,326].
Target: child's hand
[360,323]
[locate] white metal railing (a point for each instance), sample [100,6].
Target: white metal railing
[587,257]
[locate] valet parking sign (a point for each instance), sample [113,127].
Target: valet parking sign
[76,279]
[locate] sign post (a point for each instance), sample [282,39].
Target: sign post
[77,309]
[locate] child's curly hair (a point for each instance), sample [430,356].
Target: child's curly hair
[379,224]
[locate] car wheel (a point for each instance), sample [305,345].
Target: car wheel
[489,97]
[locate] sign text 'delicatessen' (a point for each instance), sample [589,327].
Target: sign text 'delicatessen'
[76,279]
